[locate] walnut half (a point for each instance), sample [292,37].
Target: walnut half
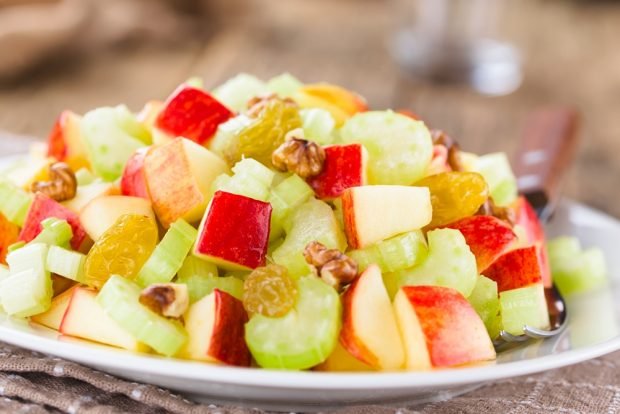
[167,299]
[334,267]
[62,184]
[302,157]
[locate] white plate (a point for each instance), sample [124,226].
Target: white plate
[593,330]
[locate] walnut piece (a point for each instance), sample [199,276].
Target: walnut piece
[62,184]
[441,138]
[302,157]
[489,208]
[334,267]
[167,299]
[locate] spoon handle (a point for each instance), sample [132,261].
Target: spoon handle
[547,149]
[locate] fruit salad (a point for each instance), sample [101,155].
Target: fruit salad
[278,225]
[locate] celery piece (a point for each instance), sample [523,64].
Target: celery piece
[196,266]
[119,299]
[318,125]
[199,286]
[168,256]
[397,253]
[289,194]
[496,170]
[195,82]
[284,85]
[236,92]
[55,232]
[524,306]
[15,246]
[251,179]
[84,177]
[485,301]
[66,263]
[15,203]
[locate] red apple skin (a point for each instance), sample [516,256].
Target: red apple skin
[516,269]
[349,225]
[56,145]
[193,114]
[235,229]
[227,343]
[526,217]
[133,182]
[44,207]
[488,238]
[446,319]
[9,234]
[64,143]
[343,168]
[348,339]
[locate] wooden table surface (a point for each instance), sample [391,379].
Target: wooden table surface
[571,49]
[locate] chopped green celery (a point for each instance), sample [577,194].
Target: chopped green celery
[318,125]
[15,246]
[397,253]
[55,232]
[251,179]
[338,211]
[575,270]
[169,255]
[84,177]
[449,263]
[15,203]
[485,301]
[239,274]
[524,306]
[196,266]
[302,338]
[28,290]
[226,131]
[284,85]
[111,136]
[312,221]
[66,263]
[195,82]
[496,170]
[199,286]
[236,92]
[119,299]
[284,198]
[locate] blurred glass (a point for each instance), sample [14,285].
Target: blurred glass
[457,40]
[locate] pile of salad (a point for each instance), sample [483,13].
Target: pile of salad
[276,224]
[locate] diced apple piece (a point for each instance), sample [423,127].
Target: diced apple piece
[341,103]
[9,234]
[234,232]
[44,207]
[54,315]
[527,219]
[87,193]
[515,269]
[440,328]
[340,360]
[369,330]
[524,306]
[344,167]
[496,170]
[133,181]
[193,114]
[449,263]
[488,238]
[376,212]
[64,142]
[148,115]
[102,212]
[78,319]
[215,325]
[179,177]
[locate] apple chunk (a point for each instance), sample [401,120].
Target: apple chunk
[192,113]
[488,238]
[65,141]
[376,212]
[43,207]
[101,213]
[85,319]
[215,325]
[527,219]
[234,232]
[515,269]
[179,177]
[53,317]
[440,328]
[133,181]
[369,331]
[344,167]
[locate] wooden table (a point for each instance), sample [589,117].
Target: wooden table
[572,56]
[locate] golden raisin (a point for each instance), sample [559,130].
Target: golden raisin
[269,291]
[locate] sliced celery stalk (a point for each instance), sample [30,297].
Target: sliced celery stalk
[251,179]
[524,306]
[84,177]
[397,253]
[119,300]
[236,92]
[289,194]
[55,232]
[485,301]
[196,266]
[199,286]
[15,203]
[496,170]
[66,263]
[285,85]
[168,256]
[318,125]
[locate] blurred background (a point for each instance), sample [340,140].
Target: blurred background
[473,68]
